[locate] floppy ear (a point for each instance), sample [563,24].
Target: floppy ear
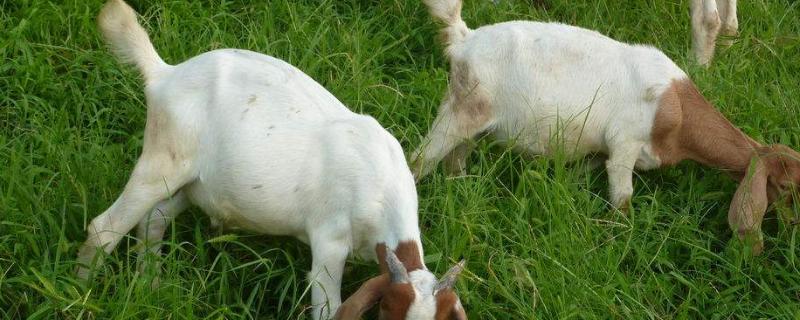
[749,204]
[362,300]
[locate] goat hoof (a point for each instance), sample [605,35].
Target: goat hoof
[623,205]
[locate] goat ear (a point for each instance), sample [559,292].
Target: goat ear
[397,271]
[448,281]
[749,204]
[363,299]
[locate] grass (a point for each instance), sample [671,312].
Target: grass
[540,239]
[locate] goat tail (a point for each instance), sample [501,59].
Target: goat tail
[449,12]
[127,39]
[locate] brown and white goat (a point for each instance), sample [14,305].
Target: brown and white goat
[260,146]
[526,82]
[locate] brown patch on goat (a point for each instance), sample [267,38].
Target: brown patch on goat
[161,147]
[468,101]
[783,165]
[406,251]
[687,126]
[252,99]
[397,299]
[447,306]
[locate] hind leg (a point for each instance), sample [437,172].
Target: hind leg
[154,178]
[150,230]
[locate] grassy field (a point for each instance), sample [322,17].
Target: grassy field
[539,237]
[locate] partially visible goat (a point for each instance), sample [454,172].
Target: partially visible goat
[709,17]
[260,146]
[528,82]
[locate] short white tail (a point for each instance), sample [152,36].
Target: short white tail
[449,12]
[127,38]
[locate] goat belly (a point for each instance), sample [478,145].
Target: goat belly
[253,207]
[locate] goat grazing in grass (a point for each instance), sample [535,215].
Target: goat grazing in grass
[528,81]
[260,146]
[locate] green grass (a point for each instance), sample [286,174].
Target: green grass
[540,239]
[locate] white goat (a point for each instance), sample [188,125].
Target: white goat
[708,17]
[260,146]
[533,83]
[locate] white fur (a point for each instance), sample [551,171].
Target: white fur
[424,305]
[259,146]
[128,40]
[552,87]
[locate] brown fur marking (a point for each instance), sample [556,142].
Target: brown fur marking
[406,251]
[687,126]
[446,306]
[397,299]
[783,165]
[469,104]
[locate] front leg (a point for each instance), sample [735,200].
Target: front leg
[620,164]
[155,177]
[329,255]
